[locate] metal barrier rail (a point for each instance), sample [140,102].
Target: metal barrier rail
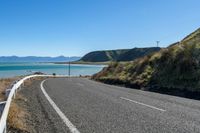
[3,120]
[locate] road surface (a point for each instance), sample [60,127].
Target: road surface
[86,106]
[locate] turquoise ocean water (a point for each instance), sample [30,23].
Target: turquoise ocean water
[18,69]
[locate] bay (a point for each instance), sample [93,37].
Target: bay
[19,69]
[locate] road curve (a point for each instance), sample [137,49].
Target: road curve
[94,107]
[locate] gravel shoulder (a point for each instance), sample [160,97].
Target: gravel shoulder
[40,116]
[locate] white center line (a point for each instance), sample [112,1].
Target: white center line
[72,128]
[142,104]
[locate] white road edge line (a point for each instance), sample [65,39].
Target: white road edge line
[71,127]
[142,104]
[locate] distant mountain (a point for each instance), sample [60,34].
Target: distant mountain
[37,59]
[172,70]
[118,55]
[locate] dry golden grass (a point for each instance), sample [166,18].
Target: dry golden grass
[4,84]
[17,115]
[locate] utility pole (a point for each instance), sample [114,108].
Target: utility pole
[69,65]
[157,42]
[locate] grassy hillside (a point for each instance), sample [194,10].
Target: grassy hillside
[118,55]
[173,70]
[135,53]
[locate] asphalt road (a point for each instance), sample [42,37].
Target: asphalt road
[94,107]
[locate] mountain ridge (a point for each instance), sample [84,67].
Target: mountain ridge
[118,55]
[37,59]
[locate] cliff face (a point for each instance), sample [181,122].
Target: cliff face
[176,67]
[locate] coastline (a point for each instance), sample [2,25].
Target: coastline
[84,63]
[60,68]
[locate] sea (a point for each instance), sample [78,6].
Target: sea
[20,69]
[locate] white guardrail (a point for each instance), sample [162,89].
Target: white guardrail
[13,90]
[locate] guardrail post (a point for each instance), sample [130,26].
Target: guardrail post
[7,92]
[2,105]
[19,88]
[14,94]
[5,129]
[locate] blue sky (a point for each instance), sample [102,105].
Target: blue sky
[75,27]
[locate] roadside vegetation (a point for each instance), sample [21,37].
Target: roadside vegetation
[173,70]
[18,116]
[5,83]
